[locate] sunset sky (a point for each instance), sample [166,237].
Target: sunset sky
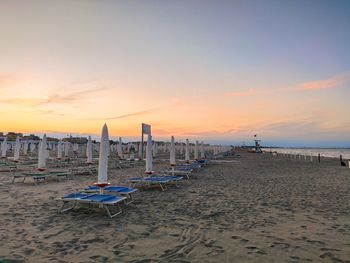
[218,71]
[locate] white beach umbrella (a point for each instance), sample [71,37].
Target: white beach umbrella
[25,148]
[59,150]
[140,150]
[75,147]
[120,148]
[42,154]
[89,150]
[66,149]
[187,151]
[154,145]
[4,148]
[149,158]
[17,149]
[181,148]
[131,151]
[102,179]
[172,152]
[215,150]
[156,148]
[32,147]
[202,150]
[196,151]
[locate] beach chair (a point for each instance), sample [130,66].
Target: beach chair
[37,177]
[161,181]
[122,190]
[41,176]
[103,200]
[149,182]
[195,166]
[178,171]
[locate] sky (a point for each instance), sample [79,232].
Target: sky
[218,71]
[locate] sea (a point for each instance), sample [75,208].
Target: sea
[325,152]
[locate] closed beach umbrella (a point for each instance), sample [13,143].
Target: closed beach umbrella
[120,148]
[4,148]
[76,147]
[89,150]
[59,150]
[25,148]
[196,151]
[154,146]
[32,147]
[202,150]
[215,150]
[149,158]
[66,149]
[172,152]
[42,154]
[17,149]
[140,150]
[103,158]
[187,151]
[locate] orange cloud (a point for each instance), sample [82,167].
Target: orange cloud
[330,83]
[7,80]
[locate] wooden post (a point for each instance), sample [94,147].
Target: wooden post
[319,158]
[341,159]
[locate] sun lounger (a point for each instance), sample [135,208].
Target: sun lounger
[149,181]
[41,176]
[179,172]
[103,200]
[122,190]
[161,181]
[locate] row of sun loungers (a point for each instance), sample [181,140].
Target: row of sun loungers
[161,181]
[113,197]
[41,176]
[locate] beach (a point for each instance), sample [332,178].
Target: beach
[248,208]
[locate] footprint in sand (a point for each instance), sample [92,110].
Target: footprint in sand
[255,250]
[329,249]
[317,242]
[244,240]
[280,245]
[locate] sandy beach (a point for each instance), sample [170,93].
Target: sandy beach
[258,208]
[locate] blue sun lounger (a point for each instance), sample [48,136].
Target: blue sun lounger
[103,200]
[160,181]
[178,171]
[193,166]
[122,190]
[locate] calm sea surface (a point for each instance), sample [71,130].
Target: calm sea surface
[326,152]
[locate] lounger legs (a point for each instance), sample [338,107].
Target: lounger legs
[115,214]
[61,210]
[163,187]
[131,200]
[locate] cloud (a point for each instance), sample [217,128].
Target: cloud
[7,80]
[23,101]
[57,98]
[72,96]
[50,112]
[138,113]
[333,82]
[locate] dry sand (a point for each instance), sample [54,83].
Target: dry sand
[261,209]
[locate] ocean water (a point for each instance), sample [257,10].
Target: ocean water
[325,152]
